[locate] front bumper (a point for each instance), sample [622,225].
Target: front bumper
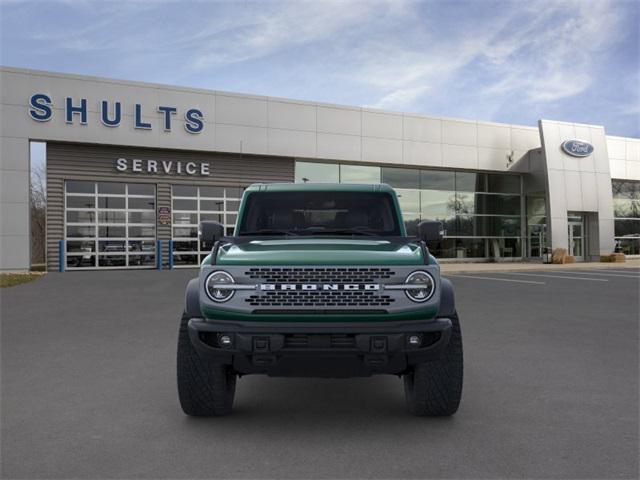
[306,349]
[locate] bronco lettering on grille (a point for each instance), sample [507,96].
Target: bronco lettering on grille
[319,286]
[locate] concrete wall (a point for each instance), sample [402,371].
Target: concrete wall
[624,157]
[14,201]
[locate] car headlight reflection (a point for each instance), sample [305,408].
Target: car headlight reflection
[425,286]
[215,286]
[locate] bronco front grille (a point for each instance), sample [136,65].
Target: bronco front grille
[319,299]
[319,274]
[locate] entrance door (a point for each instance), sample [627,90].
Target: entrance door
[537,233]
[576,236]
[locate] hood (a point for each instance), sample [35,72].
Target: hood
[321,251]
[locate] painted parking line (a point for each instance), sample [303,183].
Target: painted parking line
[550,275]
[627,271]
[496,279]
[604,274]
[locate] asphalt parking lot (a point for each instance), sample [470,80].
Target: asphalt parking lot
[551,389]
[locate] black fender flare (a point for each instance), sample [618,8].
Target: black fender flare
[192,299]
[447,299]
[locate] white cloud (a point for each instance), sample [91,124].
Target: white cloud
[556,57]
[401,97]
[542,51]
[403,77]
[258,32]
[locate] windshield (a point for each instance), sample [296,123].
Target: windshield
[319,213]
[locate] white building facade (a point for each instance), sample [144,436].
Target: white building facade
[132,168]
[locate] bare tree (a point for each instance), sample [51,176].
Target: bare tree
[38,210]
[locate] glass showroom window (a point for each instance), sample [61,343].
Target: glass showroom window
[109,224]
[626,210]
[438,198]
[313,172]
[317,172]
[359,174]
[191,205]
[536,225]
[481,212]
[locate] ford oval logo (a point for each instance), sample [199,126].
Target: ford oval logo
[577,148]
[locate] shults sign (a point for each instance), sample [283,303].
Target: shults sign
[75,109]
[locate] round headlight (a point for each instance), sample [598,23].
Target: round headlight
[425,286]
[215,286]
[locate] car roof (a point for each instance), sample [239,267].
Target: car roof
[320,187]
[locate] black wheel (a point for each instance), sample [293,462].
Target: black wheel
[434,388]
[205,388]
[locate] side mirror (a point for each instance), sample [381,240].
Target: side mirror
[210,233]
[430,231]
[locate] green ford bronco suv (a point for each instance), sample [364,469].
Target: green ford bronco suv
[319,280]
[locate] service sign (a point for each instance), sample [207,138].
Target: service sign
[162,167]
[577,148]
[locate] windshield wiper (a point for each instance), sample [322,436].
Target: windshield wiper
[268,231]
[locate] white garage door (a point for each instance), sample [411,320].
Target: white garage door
[110,225]
[191,205]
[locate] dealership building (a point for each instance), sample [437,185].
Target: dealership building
[131,169]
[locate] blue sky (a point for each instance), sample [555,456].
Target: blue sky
[512,62]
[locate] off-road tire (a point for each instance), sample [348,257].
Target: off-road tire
[434,388]
[205,388]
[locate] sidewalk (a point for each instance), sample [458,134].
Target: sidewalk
[521,266]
